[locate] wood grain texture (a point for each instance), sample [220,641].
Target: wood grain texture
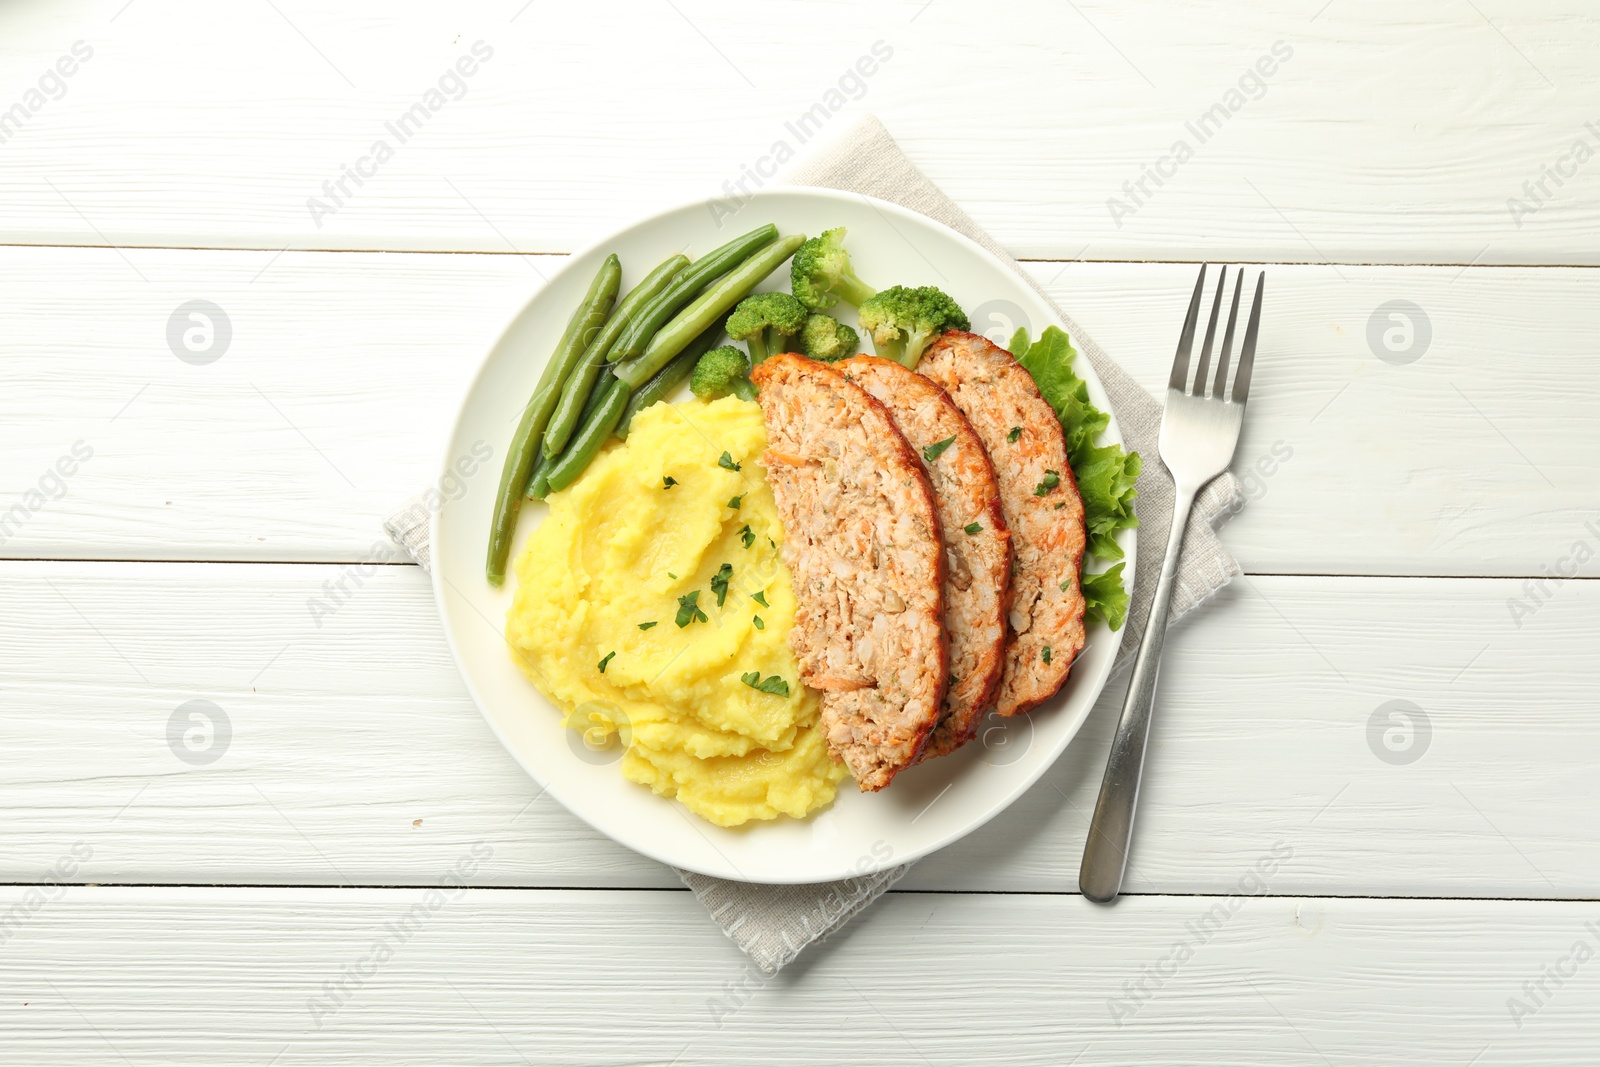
[344,372]
[112,976]
[1388,134]
[1470,451]
[345,735]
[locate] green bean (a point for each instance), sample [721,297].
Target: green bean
[597,396]
[590,436]
[707,308]
[538,483]
[581,380]
[701,273]
[536,415]
[668,378]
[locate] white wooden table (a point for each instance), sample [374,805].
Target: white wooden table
[1321,875]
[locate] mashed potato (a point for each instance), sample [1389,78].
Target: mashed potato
[600,588]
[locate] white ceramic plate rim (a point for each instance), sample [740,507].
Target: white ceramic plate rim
[1085,685]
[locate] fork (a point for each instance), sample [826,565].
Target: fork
[1199,432]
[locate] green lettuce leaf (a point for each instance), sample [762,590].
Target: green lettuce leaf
[1105,473]
[1105,596]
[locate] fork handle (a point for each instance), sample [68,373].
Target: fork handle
[1105,853]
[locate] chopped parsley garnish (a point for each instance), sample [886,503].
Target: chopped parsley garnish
[726,462]
[1066,586]
[973,528]
[774,685]
[746,536]
[689,609]
[646,625]
[719,582]
[760,598]
[605,661]
[736,501]
[1050,481]
[756,620]
[1015,435]
[935,450]
[674,577]
[668,482]
[1045,654]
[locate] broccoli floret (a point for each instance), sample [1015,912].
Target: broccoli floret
[827,339]
[821,273]
[765,322]
[904,321]
[722,371]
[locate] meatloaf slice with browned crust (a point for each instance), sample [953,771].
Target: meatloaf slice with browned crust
[977,545]
[1040,497]
[861,539]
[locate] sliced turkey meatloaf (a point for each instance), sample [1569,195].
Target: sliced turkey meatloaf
[977,545]
[861,539]
[1042,508]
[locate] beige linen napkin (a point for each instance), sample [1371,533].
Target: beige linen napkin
[774,923]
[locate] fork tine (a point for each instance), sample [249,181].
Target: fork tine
[1218,391]
[1179,379]
[1211,335]
[1247,353]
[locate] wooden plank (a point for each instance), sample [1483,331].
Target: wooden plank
[1453,440]
[1371,137]
[354,756]
[108,975]
[324,411]
[343,372]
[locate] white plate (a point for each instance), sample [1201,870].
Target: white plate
[928,806]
